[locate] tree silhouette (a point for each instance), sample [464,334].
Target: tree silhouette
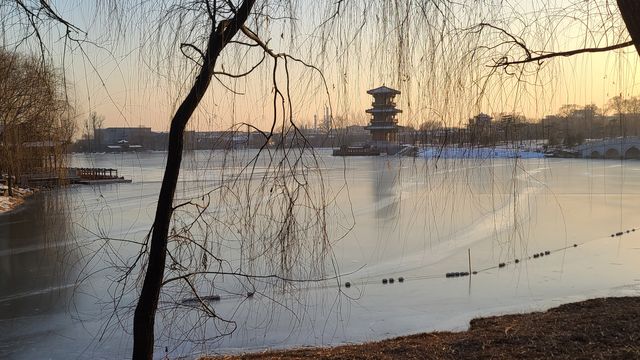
[36,121]
[221,34]
[405,25]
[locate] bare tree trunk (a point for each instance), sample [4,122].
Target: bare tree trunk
[9,180]
[630,11]
[8,158]
[144,317]
[9,183]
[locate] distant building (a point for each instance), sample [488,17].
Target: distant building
[356,130]
[481,130]
[383,125]
[480,120]
[115,135]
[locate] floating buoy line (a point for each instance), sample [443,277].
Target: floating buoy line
[458,274]
[389,281]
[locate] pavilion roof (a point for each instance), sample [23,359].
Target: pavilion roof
[383,90]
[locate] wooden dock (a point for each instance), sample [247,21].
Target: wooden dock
[103,181]
[65,176]
[96,176]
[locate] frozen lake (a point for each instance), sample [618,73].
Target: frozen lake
[386,217]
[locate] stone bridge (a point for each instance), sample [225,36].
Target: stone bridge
[618,148]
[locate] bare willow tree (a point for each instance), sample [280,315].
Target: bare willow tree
[517,52]
[36,121]
[225,21]
[427,45]
[284,226]
[222,32]
[401,22]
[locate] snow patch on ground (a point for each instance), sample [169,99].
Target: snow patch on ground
[8,203]
[475,153]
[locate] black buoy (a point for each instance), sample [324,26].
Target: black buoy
[516,261]
[541,254]
[619,233]
[187,301]
[400,279]
[211,298]
[250,294]
[613,235]
[535,256]
[547,252]
[347,284]
[628,231]
[634,229]
[449,275]
[475,273]
[390,280]
[384,281]
[502,265]
[575,245]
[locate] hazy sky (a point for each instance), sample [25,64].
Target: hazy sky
[439,62]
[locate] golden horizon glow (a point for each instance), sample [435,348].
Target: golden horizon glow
[130,84]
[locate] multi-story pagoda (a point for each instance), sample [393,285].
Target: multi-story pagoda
[383,125]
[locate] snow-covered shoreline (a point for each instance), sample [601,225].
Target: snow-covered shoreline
[478,153]
[8,203]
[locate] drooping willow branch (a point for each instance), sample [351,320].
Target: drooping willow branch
[144,316]
[532,56]
[504,63]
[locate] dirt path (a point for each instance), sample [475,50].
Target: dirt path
[607,328]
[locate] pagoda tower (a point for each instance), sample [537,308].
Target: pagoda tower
[383,125]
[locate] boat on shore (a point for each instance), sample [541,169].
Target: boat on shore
[365,150]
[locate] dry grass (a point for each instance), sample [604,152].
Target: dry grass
[607,328]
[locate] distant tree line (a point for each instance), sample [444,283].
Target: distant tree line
[36,118]
[573,124]
[570,126]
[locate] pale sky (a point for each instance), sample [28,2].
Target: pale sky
[129,79]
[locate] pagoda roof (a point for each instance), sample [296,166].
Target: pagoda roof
[383,90]
[388,110]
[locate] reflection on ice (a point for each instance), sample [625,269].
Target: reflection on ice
[386,217]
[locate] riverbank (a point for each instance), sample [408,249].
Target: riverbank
[8,203]
[603,328]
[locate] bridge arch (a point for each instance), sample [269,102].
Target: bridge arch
[632,153]
[612,154]
[595,154]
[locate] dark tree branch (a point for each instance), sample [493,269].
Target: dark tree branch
[515,40]
[630,11]
[538,56]
[236,76]
[195,48]
[504,63]
[144,317]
